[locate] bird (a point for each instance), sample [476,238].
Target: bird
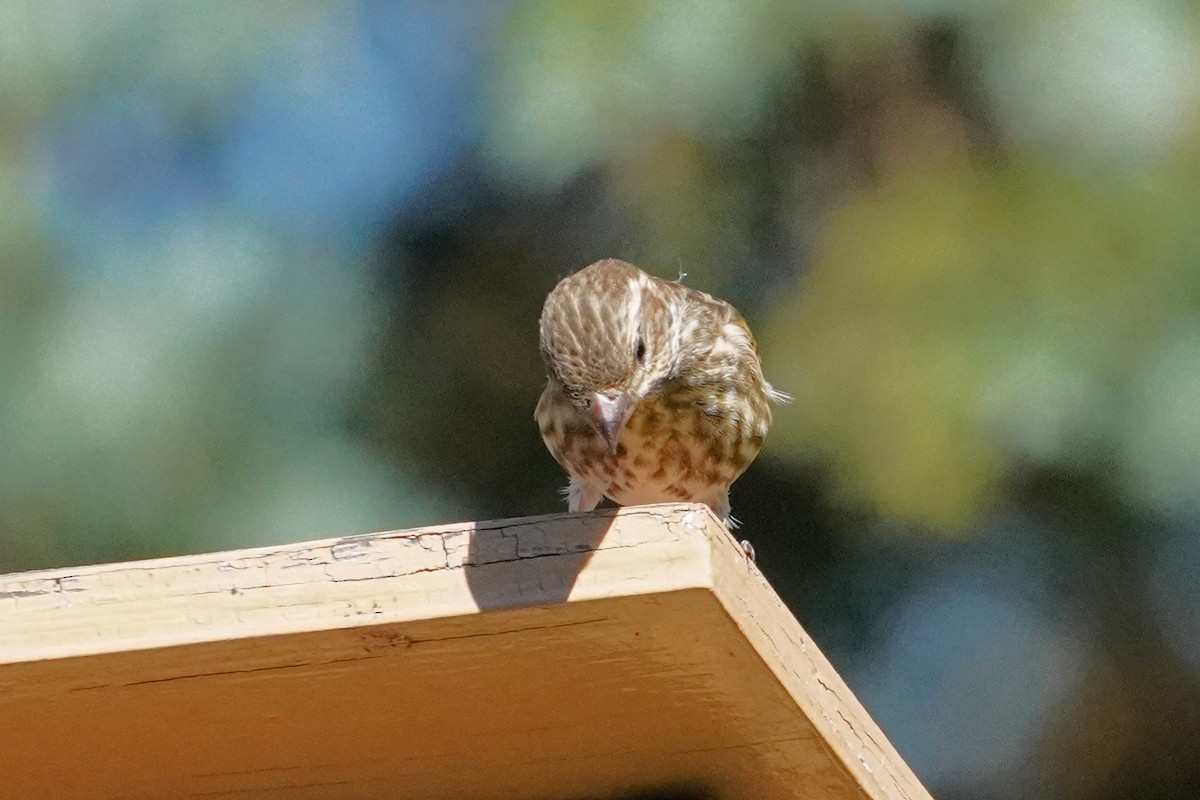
[654,393]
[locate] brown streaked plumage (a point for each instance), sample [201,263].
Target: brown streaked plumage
[655,390]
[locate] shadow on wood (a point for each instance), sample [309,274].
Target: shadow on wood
[504,566]
[661,793]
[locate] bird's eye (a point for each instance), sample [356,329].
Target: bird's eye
[640,353]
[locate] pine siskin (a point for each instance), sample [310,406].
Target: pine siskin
[655,391]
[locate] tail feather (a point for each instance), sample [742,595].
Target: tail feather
[778,396]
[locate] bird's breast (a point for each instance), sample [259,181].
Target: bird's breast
[672,449]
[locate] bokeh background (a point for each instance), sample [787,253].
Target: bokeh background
[271,271]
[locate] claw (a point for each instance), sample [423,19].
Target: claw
[748,549]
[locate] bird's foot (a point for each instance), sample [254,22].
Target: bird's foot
[748,549]
[581,496]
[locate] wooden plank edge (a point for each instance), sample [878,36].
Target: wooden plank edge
[369,579]
[854,739]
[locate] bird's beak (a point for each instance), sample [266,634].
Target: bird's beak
[611,410]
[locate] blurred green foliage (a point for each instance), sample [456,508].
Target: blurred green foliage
[959,321]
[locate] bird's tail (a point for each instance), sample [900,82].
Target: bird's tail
[778,396]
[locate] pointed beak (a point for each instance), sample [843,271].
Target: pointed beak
[611,410]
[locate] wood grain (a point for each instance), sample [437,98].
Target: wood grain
[550,657]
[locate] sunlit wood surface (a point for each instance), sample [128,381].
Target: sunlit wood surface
[549,657]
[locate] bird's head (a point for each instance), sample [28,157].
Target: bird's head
[607,338]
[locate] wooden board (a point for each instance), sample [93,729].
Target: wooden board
[549,657]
